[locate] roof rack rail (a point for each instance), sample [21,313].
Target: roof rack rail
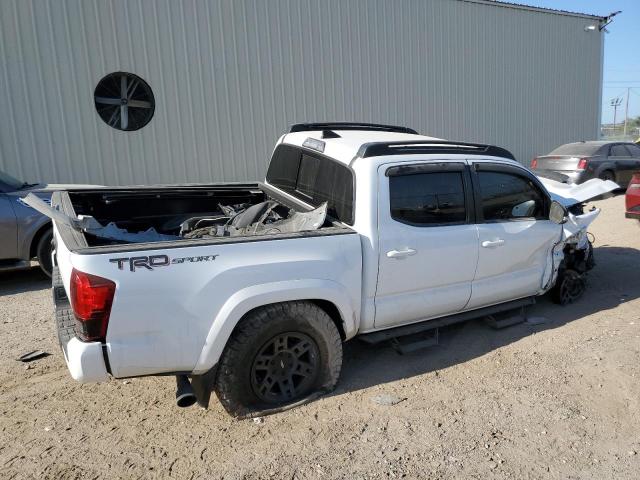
[376,149]
[306,127]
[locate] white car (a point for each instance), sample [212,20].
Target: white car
[250,290]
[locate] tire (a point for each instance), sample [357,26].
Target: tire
[43,252]
[607,175]
[278,356]
[569,287]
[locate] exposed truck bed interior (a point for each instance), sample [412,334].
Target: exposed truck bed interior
[191,212]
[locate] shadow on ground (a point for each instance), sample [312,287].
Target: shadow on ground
[613,281]
[21,281]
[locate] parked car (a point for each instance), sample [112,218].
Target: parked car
[632,197]
[580,161]
[250,289]
[25,233]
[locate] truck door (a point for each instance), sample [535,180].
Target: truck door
[428,243]
[515,233]
[8,229]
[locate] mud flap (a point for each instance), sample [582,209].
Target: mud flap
[203,386]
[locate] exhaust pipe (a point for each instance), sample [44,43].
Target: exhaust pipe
[185,396]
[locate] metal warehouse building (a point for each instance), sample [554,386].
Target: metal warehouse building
[145,91]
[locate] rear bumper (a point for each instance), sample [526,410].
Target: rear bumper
[85,361]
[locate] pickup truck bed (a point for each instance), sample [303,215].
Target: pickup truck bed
[206,278]
[164,208]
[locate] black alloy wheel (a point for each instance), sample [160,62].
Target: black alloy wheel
[572,286]
[285,367]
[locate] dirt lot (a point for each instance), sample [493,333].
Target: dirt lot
[555,400]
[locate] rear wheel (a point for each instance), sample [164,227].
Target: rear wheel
[278,356]
[43,252]
[607,175]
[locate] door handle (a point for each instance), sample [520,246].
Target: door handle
[493,243]
[407,252]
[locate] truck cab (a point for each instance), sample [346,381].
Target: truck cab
[444,226]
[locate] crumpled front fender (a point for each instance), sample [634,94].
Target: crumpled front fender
[574,231]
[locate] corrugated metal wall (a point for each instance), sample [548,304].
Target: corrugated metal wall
[230,76]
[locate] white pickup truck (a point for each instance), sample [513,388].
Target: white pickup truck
[249,290]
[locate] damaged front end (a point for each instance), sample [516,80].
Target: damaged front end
[572,256]
[577,258]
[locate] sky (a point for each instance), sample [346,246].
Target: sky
[621,49]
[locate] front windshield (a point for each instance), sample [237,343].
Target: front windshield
[11,182]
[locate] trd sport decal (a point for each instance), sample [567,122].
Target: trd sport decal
[154,261]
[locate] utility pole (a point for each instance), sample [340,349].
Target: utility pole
[626,111]
[615,103]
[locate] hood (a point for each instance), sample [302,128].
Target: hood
[571,194]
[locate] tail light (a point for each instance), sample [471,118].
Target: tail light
[91,298]
[635,181]
[582,164]
[534,163]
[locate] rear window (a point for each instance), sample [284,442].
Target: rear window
[313,179]
[577,149]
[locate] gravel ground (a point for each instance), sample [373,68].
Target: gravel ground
[554,400]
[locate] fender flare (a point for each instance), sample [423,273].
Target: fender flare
[249,298]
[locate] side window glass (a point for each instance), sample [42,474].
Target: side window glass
[619,151]
[506,196]
[634,149]
[424,199]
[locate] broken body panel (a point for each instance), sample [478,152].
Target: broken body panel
[572,194]
[190,216]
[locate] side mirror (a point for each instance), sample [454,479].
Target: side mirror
[524,209]
[558,213]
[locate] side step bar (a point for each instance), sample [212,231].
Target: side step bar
[423,326]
